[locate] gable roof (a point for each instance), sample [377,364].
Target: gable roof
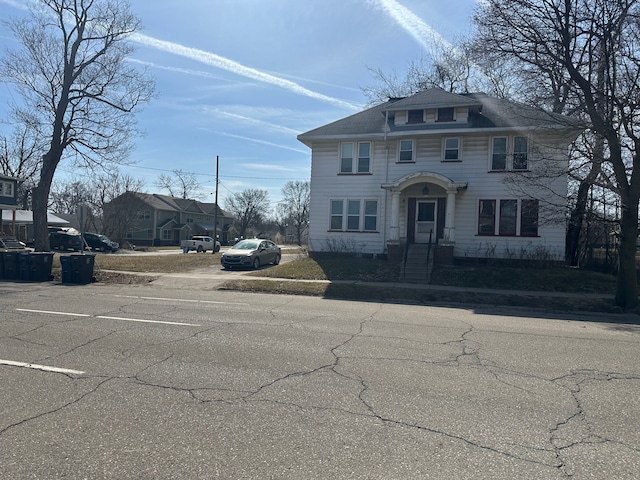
[485,112]
[177,204]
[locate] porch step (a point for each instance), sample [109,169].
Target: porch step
[419,264]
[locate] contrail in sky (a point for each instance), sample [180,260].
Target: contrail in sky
[217,61]
[424,34]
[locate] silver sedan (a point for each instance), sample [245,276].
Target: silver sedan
[251,253]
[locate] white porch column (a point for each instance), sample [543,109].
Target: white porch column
[449,219]
[394,228]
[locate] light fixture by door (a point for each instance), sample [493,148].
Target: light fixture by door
[425,190]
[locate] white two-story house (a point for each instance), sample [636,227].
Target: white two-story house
[471,174]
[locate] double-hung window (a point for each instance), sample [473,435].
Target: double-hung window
[364,157]
[520,151]
[405,153]
[361,164]
[354,215]
[451,149]
[508,217]
[346,158]
[370,215]
[509,153]
[529,218]
[487,217]
[6,189]
[499,154]
[337,214]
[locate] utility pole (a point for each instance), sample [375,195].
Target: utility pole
[215,215]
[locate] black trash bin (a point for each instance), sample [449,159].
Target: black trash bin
[11,265]
[39,265]
[77,268]
[23,267]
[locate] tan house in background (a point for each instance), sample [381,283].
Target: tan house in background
[154,219]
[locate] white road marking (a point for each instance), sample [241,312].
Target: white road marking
[109,318]
[181,300]
[53,313]
[44,368]
[148,321]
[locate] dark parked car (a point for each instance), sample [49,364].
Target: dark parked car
[65,240]
[251,253]
[100,242]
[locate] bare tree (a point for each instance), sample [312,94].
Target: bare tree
[181,184]
[249,208]
[294,208]
[77,89]
[595,44]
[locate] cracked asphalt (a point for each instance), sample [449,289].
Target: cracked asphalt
[166,382]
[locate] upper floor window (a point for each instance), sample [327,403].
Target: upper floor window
[499,154]
[520,151]
[361,164]
[415,116]
[452,149]
[509,153]
[406,151]
[6,189]
[446,114]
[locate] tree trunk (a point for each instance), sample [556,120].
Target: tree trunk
[575,224]
[40,196]
[40,199]
[627,285]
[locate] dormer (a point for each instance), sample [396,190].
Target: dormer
[431,107]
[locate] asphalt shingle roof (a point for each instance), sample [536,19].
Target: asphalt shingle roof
[485,112]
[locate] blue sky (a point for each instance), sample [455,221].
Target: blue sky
[240,79]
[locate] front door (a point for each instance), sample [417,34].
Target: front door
[425,221]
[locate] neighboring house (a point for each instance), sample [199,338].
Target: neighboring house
[19,224]
[470,174]
[8,201]
[153,219]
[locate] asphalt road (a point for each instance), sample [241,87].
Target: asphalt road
[154,382]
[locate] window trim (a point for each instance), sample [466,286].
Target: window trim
[526,210]
[415,111]
[492,153]
[525,153]
[7,189]
[508,219]
[355,158]
[509,154]
[345,214]
[523,217]
[446,118]
[493,202]
[413,150]
[445,149]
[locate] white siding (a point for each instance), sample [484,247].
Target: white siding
[326,184]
